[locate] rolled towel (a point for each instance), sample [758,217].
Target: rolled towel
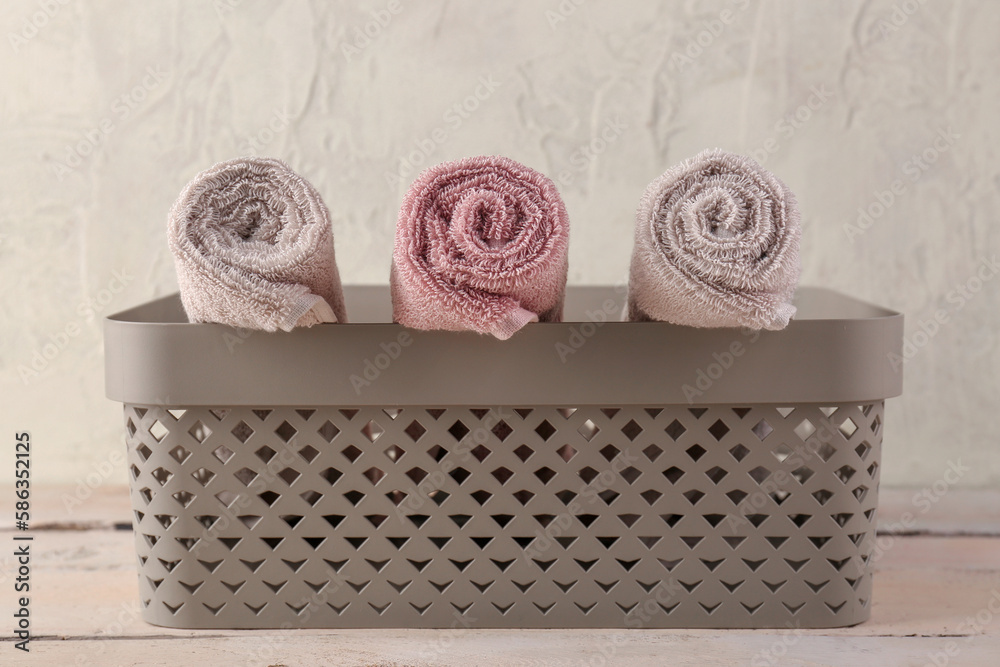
[716,245]
[480,245]
[253,248]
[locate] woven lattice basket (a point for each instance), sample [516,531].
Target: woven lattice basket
[578,475]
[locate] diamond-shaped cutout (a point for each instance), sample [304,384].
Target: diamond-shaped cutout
[652,452]
[673,473]
[245,476]
[227,498]
[351,453]
[630,474]
[675,430]
[545,474]
[739,452]
[223,453]
[372,431]
[158,430]
[269,497]
[802,474]
[847,428]
[162,475]
[523,496]
[588,430]
[289,475]
[458,430]
[415,430]
[693,496]
[144,452]
[203,476]
[759,474]
[147,494]
[718,429]
[481,496]
[265,454]
[394,452]
[437,452]
[502,474]
[311,497]
[862,450]
[481,452]
[199,431]
[502,430]
[545,430]
[374,475]
[179,454]
[566,453]
[242,431]
[183,498]
[716,474]
[328,431]
[308,453]
[762,429]
[460,474]
[631,430]
[844,473]
[523,452]
[696,452]
[609,452]
[805,429]
[331,475]
[822,496]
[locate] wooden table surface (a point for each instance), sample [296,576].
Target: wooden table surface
[934,583]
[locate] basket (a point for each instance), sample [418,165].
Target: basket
[588,473]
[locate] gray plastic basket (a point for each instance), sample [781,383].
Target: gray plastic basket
[581,474]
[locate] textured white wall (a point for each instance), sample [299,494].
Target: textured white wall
[109,108]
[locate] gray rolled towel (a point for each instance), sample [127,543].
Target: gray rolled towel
[253,248]
[716,245]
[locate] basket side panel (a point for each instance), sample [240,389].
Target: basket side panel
[667,516]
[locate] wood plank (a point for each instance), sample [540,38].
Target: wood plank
[939,510]
[529,648]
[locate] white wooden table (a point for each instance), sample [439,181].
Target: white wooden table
[934,582]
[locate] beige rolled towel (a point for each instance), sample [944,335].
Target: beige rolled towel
[253,248]
[716,245]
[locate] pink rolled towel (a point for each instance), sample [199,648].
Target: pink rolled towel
[716,245]
[480,245]
[253,248]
